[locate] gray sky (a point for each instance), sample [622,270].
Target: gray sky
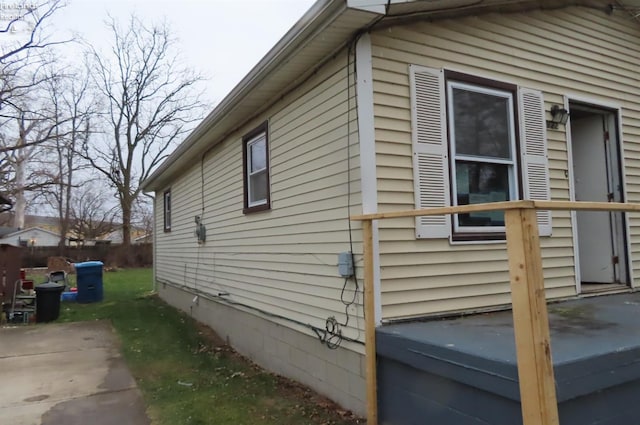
[223,39]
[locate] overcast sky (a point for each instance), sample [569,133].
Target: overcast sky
[223,39]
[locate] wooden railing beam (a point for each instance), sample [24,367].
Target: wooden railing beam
[505,206]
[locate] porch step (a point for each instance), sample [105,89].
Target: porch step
[463,371]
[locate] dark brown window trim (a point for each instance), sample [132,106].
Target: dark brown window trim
[470,237]
[257,208]
[164,210]
[480,81]
[494,84]
[262,128]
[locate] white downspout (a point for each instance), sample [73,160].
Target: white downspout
[368,175]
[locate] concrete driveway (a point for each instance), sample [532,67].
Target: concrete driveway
[66,374]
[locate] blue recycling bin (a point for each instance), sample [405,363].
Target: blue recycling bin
[89,281]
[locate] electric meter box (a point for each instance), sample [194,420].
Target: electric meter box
[345,264]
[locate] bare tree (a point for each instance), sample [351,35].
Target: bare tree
[29,18]
[13,83]
[33,16]
[20,75]
[19,136]
[142,216]
[19,133]
[151,102]
[38,140]
[20,160]
[91,215]
[72,105]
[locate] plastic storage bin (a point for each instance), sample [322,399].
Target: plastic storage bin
[48,301]
[89,281]
[69,296]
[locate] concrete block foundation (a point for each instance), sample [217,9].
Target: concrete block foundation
[336,374]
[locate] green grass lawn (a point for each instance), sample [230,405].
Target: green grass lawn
[184,373]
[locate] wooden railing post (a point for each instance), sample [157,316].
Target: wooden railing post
[530,319]
[370,325]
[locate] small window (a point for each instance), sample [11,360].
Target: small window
[256,170]
[483,146]
[167,211]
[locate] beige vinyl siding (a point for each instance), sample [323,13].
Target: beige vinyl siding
[282,261]
[577,51]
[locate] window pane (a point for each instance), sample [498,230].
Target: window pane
[258,187]
[478,182]
[167,210]
[481,124]
[258,155]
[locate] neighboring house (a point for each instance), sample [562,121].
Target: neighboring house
[145,238]
[375,106]
[7,230]
[33,236]
[43,222]
[115,237]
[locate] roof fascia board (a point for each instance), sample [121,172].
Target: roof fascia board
[376,6]
[455,8]
[382,6]
[32,229]
[368,5]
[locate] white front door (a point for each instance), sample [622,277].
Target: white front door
[596,175]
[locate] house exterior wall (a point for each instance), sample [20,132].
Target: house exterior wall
[578,51]
[276,267]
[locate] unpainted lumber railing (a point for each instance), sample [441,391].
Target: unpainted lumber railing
[530,318]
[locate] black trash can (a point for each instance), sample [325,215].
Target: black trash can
[48,301]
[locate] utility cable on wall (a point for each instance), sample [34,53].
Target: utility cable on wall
[332,335]
[224,298]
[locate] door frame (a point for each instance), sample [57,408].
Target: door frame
[616,110]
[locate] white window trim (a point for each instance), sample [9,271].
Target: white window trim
[513,162]
[260,137]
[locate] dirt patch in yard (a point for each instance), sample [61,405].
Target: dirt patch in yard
[287,388]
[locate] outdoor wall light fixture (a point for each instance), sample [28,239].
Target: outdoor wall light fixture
[559,115]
